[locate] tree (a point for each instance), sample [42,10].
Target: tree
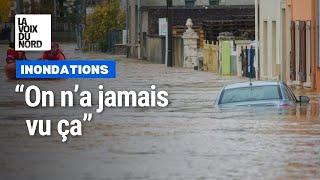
[5,10]
[106,17]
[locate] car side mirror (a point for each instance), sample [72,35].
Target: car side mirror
[304,99]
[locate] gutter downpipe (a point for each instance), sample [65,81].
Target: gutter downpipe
[127,28]
[317,63]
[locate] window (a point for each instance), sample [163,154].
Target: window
[214,2]
[190,2]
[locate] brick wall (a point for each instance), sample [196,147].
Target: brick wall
[243,16]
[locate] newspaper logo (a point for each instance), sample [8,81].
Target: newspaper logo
[33,32]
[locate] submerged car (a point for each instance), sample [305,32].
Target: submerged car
[259,93]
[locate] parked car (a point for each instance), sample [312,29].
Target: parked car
[259,93]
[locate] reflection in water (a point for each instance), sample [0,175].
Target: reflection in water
[190,139]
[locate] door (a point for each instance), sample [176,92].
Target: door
[293,52]
[302,58]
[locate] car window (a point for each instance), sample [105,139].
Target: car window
[289,94]
[286,94]
[255,93]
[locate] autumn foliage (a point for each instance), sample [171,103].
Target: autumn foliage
[4,10]
[106,17]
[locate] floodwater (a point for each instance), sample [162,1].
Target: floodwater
[189,139]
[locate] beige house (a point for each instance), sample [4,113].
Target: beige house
[271,36]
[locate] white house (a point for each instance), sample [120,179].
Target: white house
[271,36]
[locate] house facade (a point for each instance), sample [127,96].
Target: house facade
[271,27]
[288,42]
[302,60]
[143,16]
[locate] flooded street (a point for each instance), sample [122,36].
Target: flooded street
[189,139]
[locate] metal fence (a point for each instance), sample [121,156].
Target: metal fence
[111,43]
[111,40]
[64,27]
[6,31]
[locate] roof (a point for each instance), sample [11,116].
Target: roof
[254,83]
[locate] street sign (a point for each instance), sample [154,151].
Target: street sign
[163,26]
[124,37]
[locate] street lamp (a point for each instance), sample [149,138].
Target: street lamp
[169,31]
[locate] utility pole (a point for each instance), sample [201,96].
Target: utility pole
[54,14]
[139,30]
[169,31]
[81,11]
[19,6]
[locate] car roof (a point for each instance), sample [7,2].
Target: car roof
[254,84]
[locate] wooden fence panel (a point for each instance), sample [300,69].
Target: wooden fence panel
[178,52]
[211,57]
[156,47]
[226,58]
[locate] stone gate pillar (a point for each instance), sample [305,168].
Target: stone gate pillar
[190,40]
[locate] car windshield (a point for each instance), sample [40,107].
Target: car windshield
[254,93]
